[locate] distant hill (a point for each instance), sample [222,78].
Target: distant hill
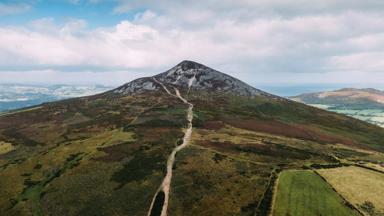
[365,104]
[16,96]
[349,97]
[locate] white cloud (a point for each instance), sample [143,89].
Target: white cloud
[8,8]
[290,39]
[138,45]
[145,16]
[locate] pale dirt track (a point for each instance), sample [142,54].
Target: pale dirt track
[166,184]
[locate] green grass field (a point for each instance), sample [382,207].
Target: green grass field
[305,193]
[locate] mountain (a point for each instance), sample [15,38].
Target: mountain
[364,104]
[191,74]
[189,141]
[16,96]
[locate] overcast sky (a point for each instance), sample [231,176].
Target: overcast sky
[259,41]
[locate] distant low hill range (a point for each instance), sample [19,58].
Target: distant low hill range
[349,97]
[365,104]
[16,96]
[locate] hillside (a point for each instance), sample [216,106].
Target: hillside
[189,141]
[363,104]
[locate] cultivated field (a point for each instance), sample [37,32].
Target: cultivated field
[5,147]
[362,187]
[305,193]
[377,167]
[374,116]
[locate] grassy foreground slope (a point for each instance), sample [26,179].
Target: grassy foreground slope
[303,193]
[362,187]
[87,156]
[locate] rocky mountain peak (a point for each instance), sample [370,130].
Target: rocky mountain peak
[187,68]
[189,65]
[192,76]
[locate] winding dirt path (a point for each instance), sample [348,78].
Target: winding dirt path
[166,184]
